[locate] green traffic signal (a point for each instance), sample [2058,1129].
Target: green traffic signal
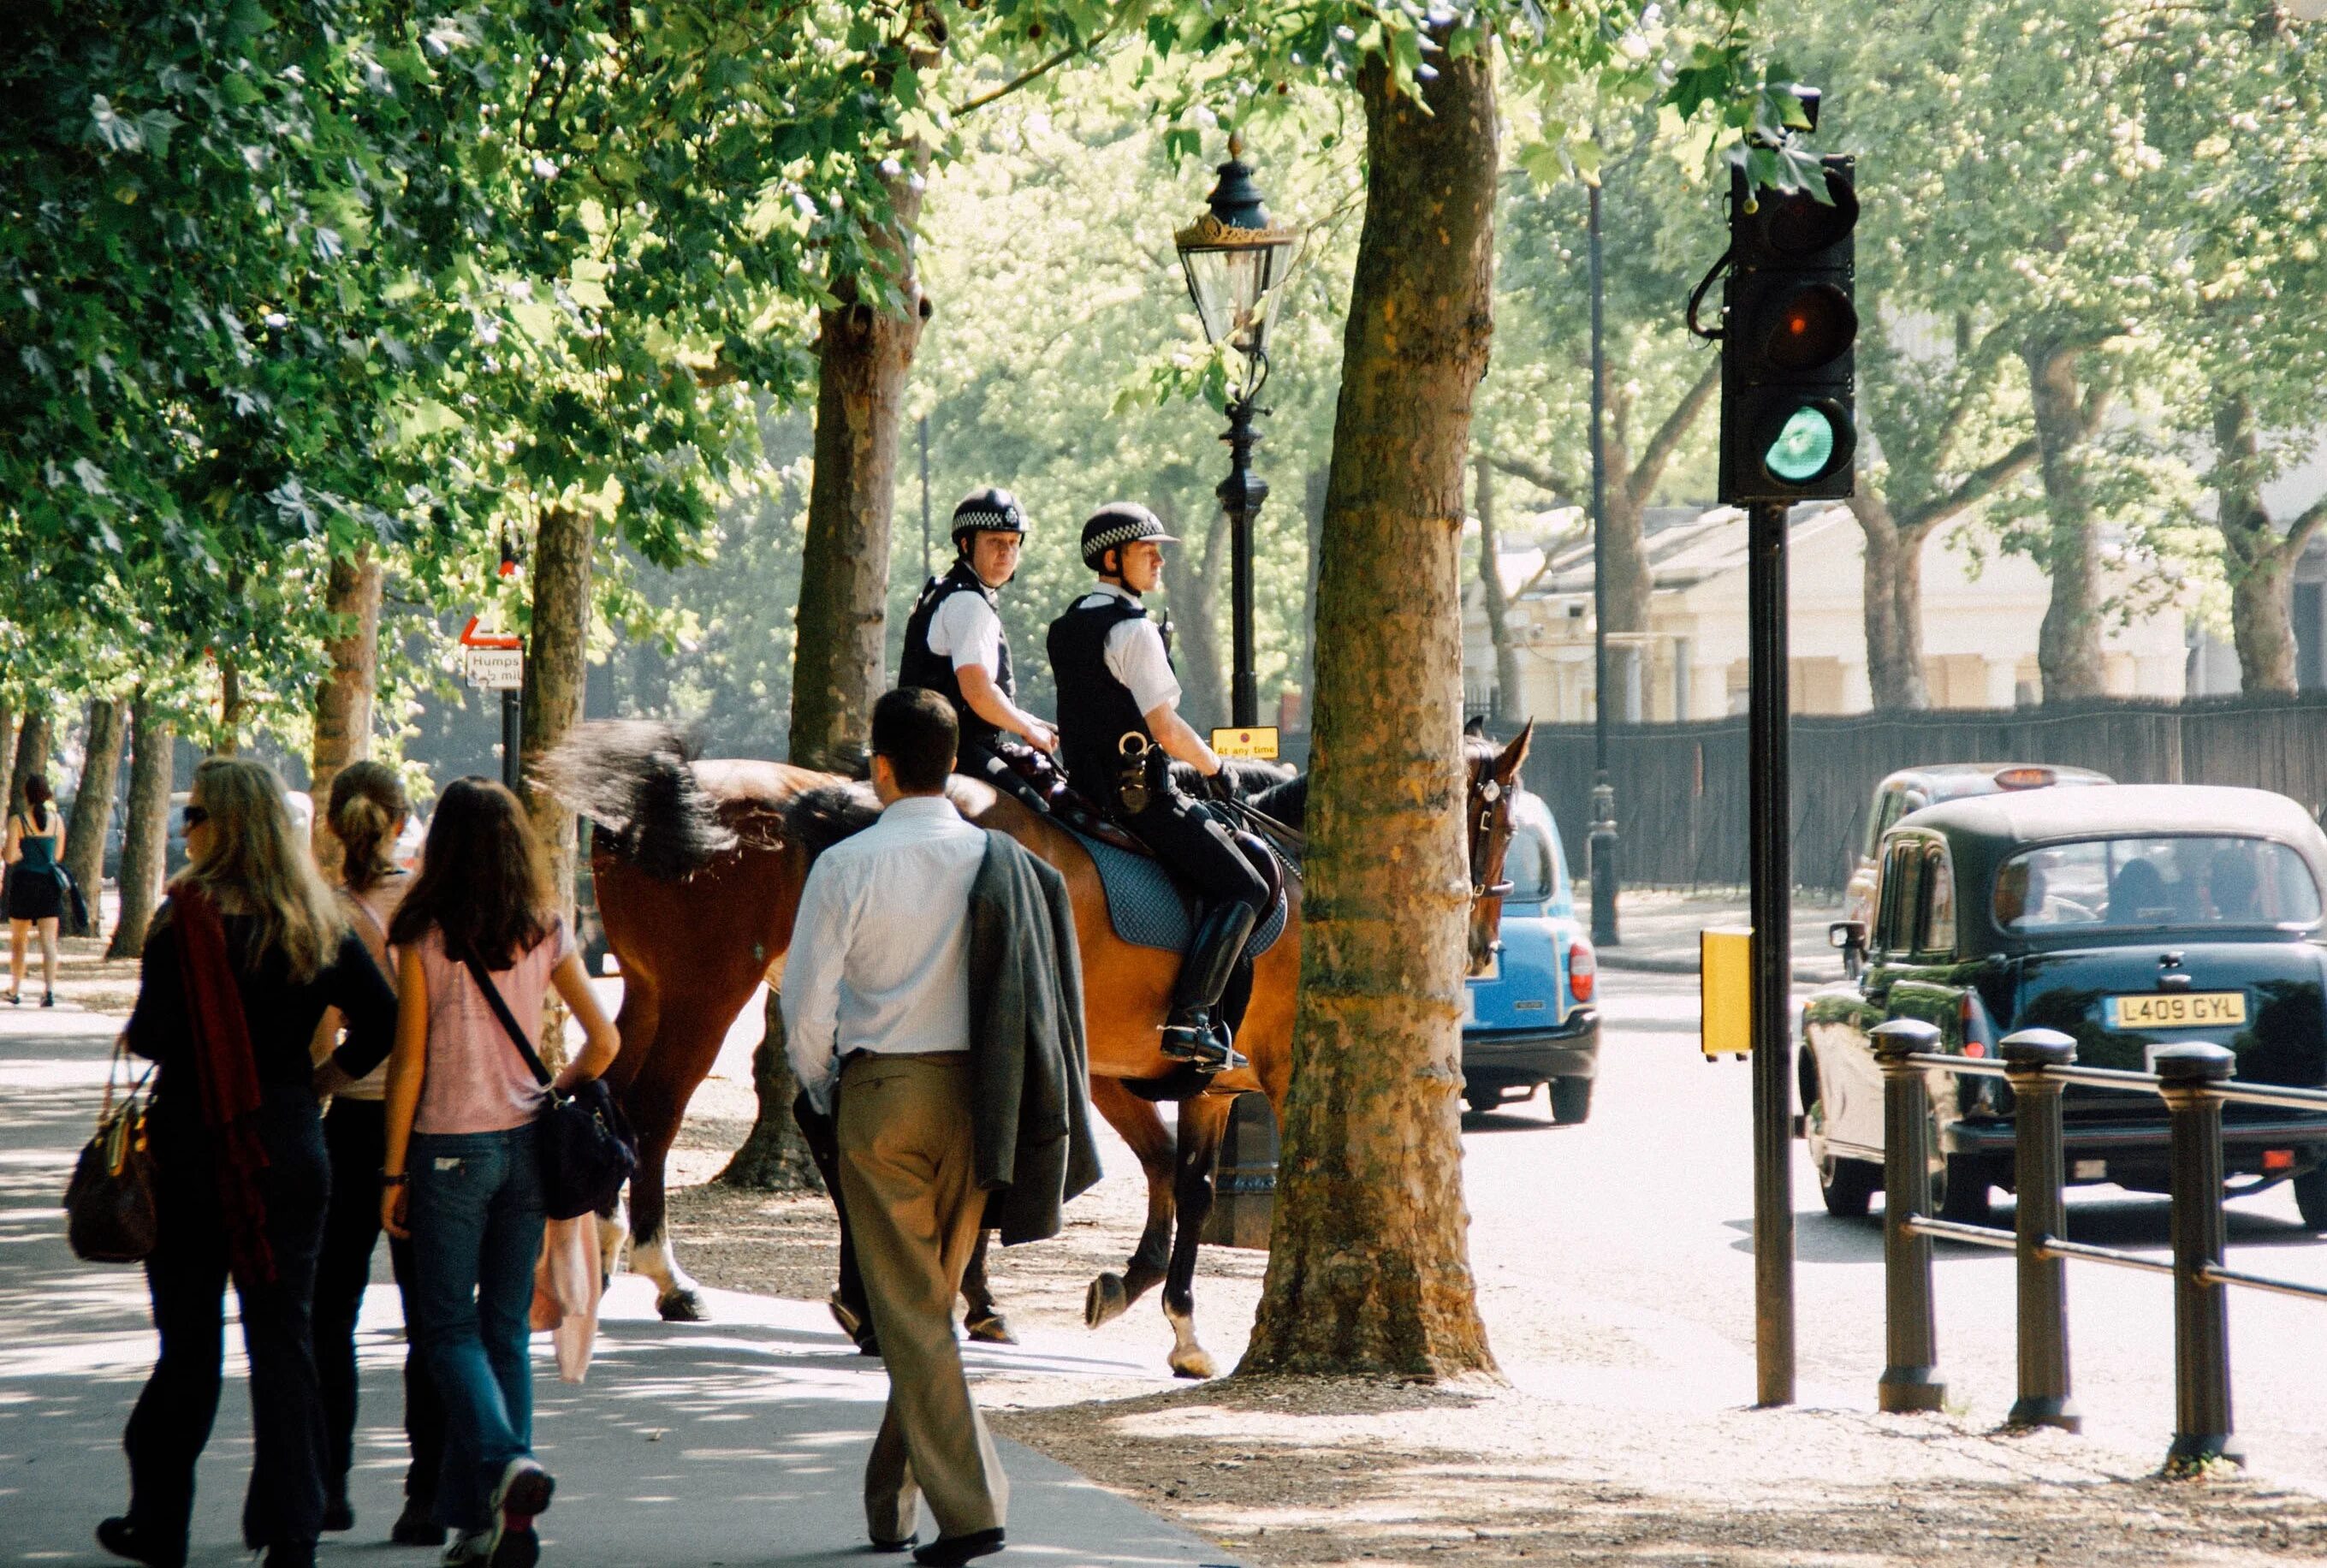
[1804,449]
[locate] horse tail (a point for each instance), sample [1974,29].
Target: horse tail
[634,779]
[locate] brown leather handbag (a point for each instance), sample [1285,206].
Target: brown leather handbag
[109,1204]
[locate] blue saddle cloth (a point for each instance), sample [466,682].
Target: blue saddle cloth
[1148,909]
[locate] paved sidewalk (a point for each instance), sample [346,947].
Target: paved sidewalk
[1659,929]
[737,1443]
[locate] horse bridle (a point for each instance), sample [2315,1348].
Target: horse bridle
[1488,792]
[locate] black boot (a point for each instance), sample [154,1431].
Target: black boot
[1192,1032]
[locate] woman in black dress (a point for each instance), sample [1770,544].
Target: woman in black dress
[240,964]
[36,894]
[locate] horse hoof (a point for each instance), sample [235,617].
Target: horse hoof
[990,1329]
[683,1307]
[1106,1301]
[1193,1364]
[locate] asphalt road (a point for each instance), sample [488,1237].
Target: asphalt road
[1626,1243]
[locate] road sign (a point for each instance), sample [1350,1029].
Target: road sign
[1260,741]
[497,669]
[476,636]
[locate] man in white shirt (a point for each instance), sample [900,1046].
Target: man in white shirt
[1119,725]
[876,1007]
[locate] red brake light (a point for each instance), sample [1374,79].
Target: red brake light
[1582,968]
[2025,778]
[2278,1159]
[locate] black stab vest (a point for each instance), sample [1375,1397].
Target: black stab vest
[919,666]
[1096,710]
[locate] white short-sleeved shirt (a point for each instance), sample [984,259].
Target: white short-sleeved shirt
[1134,653]
[967,631]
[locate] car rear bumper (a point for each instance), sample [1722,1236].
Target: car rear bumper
[2135,1153]
[1532,1056]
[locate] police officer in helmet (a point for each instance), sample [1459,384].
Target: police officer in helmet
[1119,724]
[954,642]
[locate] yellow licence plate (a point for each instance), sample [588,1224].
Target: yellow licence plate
[2176,1010]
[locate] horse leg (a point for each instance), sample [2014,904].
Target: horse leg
[1141,1125]
[1203,1122]
[981,1318]
[685,1046]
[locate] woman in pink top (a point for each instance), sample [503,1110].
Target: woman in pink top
[463,1167]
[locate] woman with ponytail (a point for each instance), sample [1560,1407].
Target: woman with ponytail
[240,965]
[367,812]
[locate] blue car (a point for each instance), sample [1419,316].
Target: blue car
[1530,1020]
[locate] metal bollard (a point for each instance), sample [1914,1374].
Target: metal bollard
[2037,1174]
[2201,1323]
[1911,1381]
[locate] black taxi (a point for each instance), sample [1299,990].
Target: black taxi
[2127,918]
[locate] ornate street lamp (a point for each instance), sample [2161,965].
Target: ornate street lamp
[1233,256]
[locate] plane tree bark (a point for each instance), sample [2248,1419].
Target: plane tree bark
[2258,559]
[1491,590]
[33,742]
[557,673]
[146,836]
[2066,410]
[343,699]
[92,812]
[1368,1267]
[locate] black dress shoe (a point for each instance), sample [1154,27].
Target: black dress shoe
[338,1515]
[952,1551]
[418,1526]
[907,1545]
[124,1539]
[291,1554]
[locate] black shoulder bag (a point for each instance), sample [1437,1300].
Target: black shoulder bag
[587,1148]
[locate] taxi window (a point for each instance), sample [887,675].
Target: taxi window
[1902,896]
[1530,864]
[2149,883]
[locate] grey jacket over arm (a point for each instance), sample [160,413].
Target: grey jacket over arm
[1031,1086]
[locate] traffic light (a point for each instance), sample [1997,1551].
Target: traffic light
[1789,425]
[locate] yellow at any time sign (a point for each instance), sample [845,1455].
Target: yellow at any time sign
[1260,741]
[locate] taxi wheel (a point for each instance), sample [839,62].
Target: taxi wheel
[1571,1100]
[2311,1199]
[1847,1186]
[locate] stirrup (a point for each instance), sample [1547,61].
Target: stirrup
[1204,1042]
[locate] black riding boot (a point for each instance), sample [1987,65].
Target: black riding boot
[1193,1032]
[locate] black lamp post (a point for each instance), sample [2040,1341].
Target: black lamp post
[1233,255]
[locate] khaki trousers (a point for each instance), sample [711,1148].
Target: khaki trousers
[907,1160]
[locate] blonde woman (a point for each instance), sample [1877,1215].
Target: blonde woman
[241,962]
[36,893]
[366,813]
[464,1169]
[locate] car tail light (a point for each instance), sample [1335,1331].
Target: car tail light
[1582,968]
[1978,1033]
[2278,1159]
[2024,778]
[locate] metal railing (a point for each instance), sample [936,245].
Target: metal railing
[2193,1080]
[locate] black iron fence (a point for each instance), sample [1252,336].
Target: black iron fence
[1680,789]
[2194,1081]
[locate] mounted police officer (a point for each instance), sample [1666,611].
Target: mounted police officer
[954,642]
[1119,726]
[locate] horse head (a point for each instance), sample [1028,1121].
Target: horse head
[1493,777]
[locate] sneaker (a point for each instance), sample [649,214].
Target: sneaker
[470,1549]
[417,1525]
[522,1496]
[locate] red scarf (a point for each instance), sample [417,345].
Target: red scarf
[228,1070]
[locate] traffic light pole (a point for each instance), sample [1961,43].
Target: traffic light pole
[1770,857]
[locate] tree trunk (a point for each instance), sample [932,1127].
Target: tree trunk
[1490,592]
[1892,584]
[7,759]
[862,356]
[92,812]
[343,700]
[2069,644]
[146,840]
[1625,551]
[1369,1268]
[775,1157]
[2259,568]
[557,673]
[1312,512]
[1195,594]
[32,756]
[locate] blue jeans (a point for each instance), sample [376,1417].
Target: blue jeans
[476,1217]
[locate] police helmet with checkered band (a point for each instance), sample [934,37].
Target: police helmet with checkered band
[1117,524]
[991,510]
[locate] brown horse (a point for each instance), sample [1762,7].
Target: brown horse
[698,879]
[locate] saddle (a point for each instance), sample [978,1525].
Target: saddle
[1148,906]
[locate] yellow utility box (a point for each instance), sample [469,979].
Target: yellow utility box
[1725,990]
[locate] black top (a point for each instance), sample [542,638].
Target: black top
[921,667]
[1096,710]
[282,1016]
